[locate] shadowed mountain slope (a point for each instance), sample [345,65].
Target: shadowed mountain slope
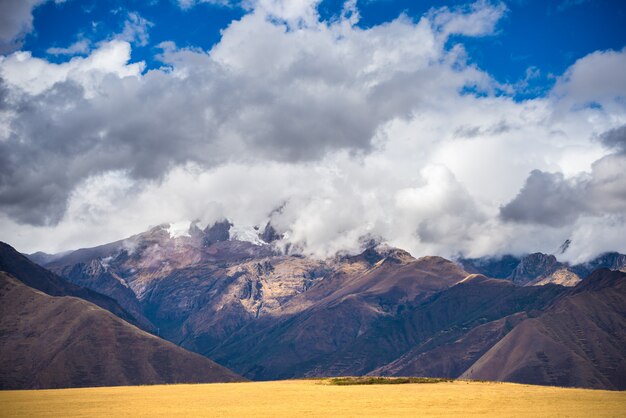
[462,320]
[37,277]
[353,333]
[578,341]
[234,295]
[537,269]
[62,341]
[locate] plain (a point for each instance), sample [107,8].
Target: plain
[317,398]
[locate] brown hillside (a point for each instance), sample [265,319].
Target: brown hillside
[37,277]
[315,341]
[579,341]
[56,342]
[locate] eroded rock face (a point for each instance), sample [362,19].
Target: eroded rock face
[533,266]
[217,232]
[195,286]
[270,234]
[562,276]
[95,275]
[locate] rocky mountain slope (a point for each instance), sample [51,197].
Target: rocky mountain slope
[455,327]
[234,295]
[43,280]
[61,340]
[538,269]
[329,336]
[579,341]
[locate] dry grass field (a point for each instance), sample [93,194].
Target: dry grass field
[304,398]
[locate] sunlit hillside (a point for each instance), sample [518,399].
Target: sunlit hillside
[317,398]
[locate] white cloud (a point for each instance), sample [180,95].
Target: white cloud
[477,19]
[36,75]
[294,12]
[78,47]
[596,79]
[351,132]
[135,29]
[187,4]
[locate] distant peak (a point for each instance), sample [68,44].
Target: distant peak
[564,246]
[179,229]
[601,278]
[396,256]
[270,234]
[246,234]
[474,278]
[219,231]
[380,253]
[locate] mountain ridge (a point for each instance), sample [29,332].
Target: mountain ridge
[576,341]
[228,294]
[53,336]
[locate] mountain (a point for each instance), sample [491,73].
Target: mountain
[95,275]
[57,334]
[610,260]
[238,296]
[579,341]
[196,286]
[326,324]
[533,266]
[534,269]
[39,278]
[63,341]
[455,327]
[496,267]
[538,269]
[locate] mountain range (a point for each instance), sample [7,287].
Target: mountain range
[234,296]
[54,334]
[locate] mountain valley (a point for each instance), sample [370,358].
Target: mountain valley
[237,297]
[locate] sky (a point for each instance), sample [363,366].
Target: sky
[444,128]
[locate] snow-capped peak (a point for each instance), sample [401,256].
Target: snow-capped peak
[179,229]
[246,233]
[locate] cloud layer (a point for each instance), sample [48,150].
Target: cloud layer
[16,20]
[351,132]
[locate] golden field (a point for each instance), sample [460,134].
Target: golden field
[304,398]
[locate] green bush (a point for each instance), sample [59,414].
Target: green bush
[375,380]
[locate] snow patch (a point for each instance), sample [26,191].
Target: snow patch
[106,261]
[179,229]
[246,233]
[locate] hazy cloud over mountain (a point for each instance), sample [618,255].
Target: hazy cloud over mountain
[387,131]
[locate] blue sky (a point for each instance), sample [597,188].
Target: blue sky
[467,128]
[547,36]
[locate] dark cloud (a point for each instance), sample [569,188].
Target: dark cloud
[96,148]
[551,199]
[16,20]
[263,93]
[467,131]
[61,136]
[615,139]
[546,198]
